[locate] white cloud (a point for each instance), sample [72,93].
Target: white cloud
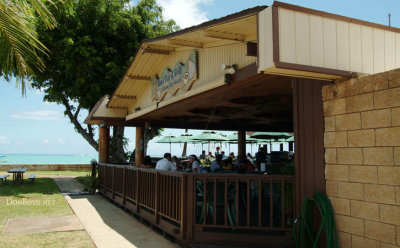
[4,140]
[45,141]
[186,13]
[61,141]
[42,115]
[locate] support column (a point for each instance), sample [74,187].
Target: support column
[104,141]
[242,143]
[291,146]
[308,121]
[139,152]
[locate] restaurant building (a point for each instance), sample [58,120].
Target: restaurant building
[329,79]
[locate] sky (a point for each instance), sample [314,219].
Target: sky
[30,126]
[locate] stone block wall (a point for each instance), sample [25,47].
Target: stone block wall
[362,158]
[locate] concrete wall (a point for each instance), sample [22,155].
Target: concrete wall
[362,156]
[47,167]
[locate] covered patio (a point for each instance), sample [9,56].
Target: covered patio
[256,70]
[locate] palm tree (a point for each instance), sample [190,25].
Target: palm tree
[20,49]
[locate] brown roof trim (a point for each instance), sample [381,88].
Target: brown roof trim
[333,16]
[213,22]
[309,68]
[94,109]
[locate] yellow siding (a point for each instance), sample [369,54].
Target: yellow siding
[379,50]
[355,47]
[316,41]
[210,60]
[265,43]
[342,39]
[330,60]
[367,50]
[397,48]
[308,39]
[287,36]
[390,51]
[302,29]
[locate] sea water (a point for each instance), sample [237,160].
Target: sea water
[46,158]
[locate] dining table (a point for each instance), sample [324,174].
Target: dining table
[18,174]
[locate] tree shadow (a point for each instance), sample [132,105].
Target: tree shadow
[125,224]
[40,186]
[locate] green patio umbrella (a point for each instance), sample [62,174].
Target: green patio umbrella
[291,139]
[269,137]
[233,139]
[168,139]
[185,138]
[209,136]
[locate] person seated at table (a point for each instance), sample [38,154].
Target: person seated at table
[240,164]
[243,164]
[195,163]
[232,155]
[249,166]
[217,163]
[210,156]
[223,155]
[146,163]
[217,152]
[203,155]
[177,163]
[165,164]
[227,164]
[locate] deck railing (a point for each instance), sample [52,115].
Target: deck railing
[183,204]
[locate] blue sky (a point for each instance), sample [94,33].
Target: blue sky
[30,126]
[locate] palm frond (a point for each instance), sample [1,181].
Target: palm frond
[20,48]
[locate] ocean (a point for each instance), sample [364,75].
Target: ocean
[46,158]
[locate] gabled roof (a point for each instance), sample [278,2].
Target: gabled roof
[153,53]
[100,112]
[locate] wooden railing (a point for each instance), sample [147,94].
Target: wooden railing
[183,204]
[244,201]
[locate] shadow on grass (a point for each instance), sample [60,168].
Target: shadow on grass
[40,185]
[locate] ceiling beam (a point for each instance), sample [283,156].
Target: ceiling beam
[134,77]
[155,51]
[223,35]
[125,97]
[185,43]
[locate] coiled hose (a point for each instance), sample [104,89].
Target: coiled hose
[304,235]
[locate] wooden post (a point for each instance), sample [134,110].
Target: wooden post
[104,138]
[139,152]
[242,143]
[308,118]
[291,146]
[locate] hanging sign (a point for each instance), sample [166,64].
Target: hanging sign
[181,77]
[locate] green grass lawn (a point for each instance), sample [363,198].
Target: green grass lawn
[49,202]
[53,173]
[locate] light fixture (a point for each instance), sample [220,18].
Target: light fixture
[230,70]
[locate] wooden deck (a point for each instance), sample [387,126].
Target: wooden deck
[219,209]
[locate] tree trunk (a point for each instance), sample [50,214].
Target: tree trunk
[149,134]
[117,153]
[184,146]
[73,117]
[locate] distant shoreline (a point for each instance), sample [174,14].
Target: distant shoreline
[47,167]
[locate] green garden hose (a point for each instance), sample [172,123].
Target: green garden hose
[304,235]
